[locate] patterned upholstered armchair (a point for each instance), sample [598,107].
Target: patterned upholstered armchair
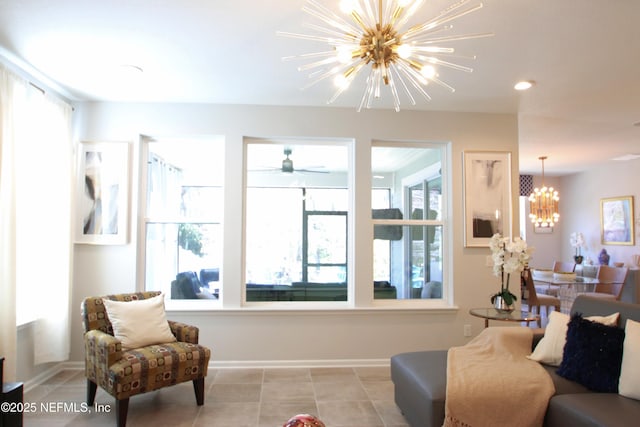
[125,373]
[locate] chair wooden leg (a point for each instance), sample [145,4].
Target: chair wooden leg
[91,392]
[122,407]
[198,388]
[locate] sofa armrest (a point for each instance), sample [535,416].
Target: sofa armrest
[184,332]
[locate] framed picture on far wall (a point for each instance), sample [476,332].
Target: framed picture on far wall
[616,221]
[487,196]
[102,193]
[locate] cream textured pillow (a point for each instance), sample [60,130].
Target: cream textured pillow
[629,384]
[139,323]
[550,348]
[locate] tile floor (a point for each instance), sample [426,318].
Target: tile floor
[252,397]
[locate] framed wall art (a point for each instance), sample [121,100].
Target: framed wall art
[616,221]
[102,193]
[487,196]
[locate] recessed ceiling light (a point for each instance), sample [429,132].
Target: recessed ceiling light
[524,85]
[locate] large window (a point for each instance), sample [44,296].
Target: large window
[183,221]
[300,228]
[408,234]
[296,222]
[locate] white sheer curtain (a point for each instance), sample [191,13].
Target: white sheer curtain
[36,184]
[164,204]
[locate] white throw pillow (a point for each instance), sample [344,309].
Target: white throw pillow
[629,384]
[139,323]
[550,348]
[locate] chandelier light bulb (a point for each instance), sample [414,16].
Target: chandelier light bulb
[341,81]
[404,51]
[377,35]
[428,71]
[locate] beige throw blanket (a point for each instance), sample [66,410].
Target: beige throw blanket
[490,382]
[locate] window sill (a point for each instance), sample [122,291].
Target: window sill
[404,307]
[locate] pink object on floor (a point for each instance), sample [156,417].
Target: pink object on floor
[304,420]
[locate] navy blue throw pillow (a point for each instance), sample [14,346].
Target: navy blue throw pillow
[592,355]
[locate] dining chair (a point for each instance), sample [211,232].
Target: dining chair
[548,288]
[610,282]
[533,299]
[564,266]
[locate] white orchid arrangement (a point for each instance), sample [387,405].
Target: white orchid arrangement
[576,239]
[508,257]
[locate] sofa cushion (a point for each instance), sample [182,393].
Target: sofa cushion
[563,385]
[592,410]
[550,348]
[629,385]
[592,354]
[139,323]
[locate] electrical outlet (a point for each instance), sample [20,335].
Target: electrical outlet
[467,330]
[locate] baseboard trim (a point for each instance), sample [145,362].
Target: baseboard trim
[338,363]
[42,377]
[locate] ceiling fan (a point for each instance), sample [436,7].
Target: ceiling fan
[287,165]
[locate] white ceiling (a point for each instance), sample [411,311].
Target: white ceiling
[583,54]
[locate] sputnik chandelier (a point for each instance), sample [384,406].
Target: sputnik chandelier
[375,35]
[543,204]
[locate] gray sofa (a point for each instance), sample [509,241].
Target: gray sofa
[420,380]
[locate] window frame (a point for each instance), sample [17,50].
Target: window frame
[359,237]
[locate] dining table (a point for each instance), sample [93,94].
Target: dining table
[569,287]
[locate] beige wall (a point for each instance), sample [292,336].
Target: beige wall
[582,193]
[302,336]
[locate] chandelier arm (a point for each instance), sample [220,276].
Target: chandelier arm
[394,68]
[329,73]
[443,84]
[394,91]
[364,101]
[375,73]
[426,34]
[410,11]
[433,49]
[328,40]
[441,19]
[349,75]
[369,14]
[344,37]
[327,16]
[317,64]
[456,38]
[325,53]
[415,82]
[437,61]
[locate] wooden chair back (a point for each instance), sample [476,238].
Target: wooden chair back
[528,289]
[611,280]
[564,266]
